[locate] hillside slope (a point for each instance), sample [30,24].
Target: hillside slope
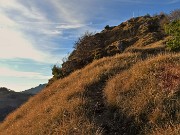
[123,94]
[10,100]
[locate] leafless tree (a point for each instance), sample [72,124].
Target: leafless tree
[174,15]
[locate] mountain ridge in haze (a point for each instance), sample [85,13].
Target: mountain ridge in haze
[11,100]
[34,90]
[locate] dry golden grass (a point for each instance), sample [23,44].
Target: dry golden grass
[65,107]
[153,48]
[122,94]
[148,92]
[168,130]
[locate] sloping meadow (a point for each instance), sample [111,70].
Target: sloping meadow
[149,93]
[66,106]
[123,94]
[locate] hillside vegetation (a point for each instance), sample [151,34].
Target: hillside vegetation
[125,83]
[136,34]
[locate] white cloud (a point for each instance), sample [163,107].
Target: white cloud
[148,2]
[9,4]
[18,86]
[67,11]
[25,24]
[70,26]
[18,80]
[13,41]
[15,5]
[173,1]
[6,72]
[51,32]
[33,17]
[14,45]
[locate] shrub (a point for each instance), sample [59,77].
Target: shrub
[81,39]
[174,15]
[173,29]
[147,15]
[107,27]
[57,72]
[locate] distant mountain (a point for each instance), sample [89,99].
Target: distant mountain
[10,100]
[35,90]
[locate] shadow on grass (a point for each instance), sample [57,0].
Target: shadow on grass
[110,119]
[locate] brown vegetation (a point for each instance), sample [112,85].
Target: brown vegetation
[136,32]
[123,94]
[151,96]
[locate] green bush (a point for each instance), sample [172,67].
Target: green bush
[173,29]
[57,72]
[107,27]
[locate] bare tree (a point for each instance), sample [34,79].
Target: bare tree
[174,15]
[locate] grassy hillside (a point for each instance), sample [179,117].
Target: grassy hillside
[131,92]
[151,96]
[123,94]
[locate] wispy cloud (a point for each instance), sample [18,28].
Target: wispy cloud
[173,1]
[25,26]
[6,72]
[14,45]
[70,26]
[148,2]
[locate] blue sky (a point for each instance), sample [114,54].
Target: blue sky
[36,34]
